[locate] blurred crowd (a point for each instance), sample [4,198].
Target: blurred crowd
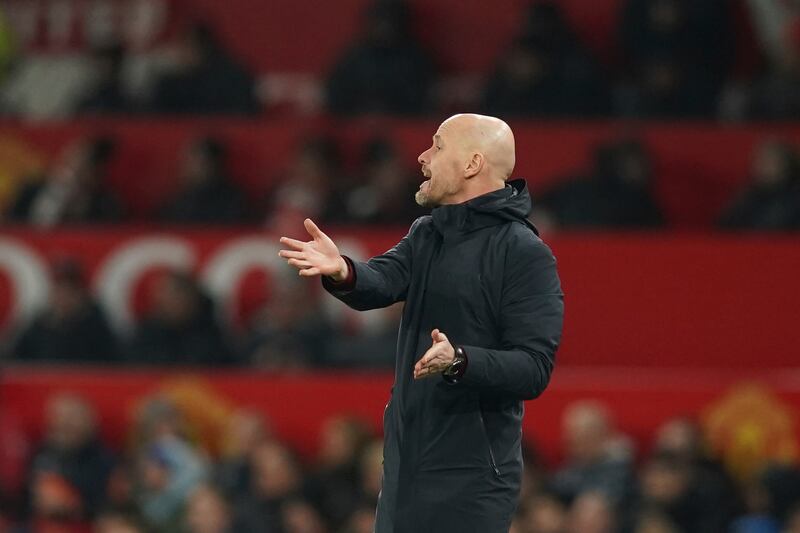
[672,59]
[180,325]
[166,478]
[616,190]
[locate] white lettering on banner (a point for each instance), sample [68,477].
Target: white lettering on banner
[117,276]
[226,268]
[29,277]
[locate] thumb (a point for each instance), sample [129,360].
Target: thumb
[312,228]
[438,336]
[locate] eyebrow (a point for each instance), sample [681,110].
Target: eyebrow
[437,137]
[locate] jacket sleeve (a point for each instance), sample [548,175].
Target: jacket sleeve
[379,282]
[531,318]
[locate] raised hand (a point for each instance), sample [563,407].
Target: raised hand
[319,256]
[438,357]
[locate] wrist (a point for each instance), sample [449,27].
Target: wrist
[456,370]
[341,275]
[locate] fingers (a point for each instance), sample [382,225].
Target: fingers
[300,263]
[312,228]
[293,243]
[292,254]
[313,271]
[434,333]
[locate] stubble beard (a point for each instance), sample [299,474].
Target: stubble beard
[422,199]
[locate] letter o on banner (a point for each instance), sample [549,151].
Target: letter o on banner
[224,271]
[125,265]
[30,280]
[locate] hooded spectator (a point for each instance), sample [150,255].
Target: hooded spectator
[207,195]
[385,71]
[204,79]
[180,327]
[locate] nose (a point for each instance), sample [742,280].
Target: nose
[422,157]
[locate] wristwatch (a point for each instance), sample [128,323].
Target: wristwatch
[454,372]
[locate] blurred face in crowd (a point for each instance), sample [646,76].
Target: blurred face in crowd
[300,517]
[275,473]
[525,66]
[67,299]
[174,300]
[113,523]
[362,521]
[341,439]
[207,512]
[665,15]
[591,512]
[469,153]
[372,468]
[199,166]
[664,481]
[545,514]
[245,431]
[586,432]
[680,437]
[772,165]
[70,422]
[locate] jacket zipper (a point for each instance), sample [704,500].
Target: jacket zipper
[492,462]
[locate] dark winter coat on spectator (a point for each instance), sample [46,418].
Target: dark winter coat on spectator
[478,272]
[85,337]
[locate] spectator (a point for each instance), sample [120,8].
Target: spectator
[526,83]
[203,79]
[207,195]
[655,522]
[168,467]
[543,513]
[680,52]
[276,482]
[771,201]
[775,95]
[245,433]
[300,517]
[709,488]
[371,472]
[291,331]
[73,191]
[592,512]
[617,194]
[547,72]
[374,345]
[72,328]
[308,186]
[113,522]
[386,193]
[597,458]
[333,486]
[68,474]
[385,71]
[207,512]
[180,327]
[107,96]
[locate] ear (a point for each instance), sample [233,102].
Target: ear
[474,165]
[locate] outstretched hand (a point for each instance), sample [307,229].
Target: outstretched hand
[438,357]
[319,256]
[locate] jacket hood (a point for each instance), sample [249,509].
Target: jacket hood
[511,203]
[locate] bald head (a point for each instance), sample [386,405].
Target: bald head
[489,136]
[471,155]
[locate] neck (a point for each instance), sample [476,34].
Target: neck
[473,190]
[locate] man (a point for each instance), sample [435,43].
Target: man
[480,287]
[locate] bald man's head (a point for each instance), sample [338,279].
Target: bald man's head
[470,156]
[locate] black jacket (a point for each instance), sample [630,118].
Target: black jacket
[479,272]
